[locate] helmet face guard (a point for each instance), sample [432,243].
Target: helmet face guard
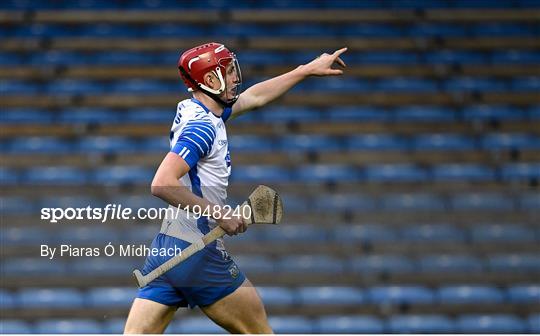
[195,63]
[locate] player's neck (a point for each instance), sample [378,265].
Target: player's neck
[210,103]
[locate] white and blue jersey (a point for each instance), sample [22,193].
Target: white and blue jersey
[200,138]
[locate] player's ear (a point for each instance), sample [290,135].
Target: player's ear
[209,80]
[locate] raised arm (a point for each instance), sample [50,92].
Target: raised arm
[267,91]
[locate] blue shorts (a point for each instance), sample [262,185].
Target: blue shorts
[200,280]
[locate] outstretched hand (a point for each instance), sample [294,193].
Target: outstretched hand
[322,65]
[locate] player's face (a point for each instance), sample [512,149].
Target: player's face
[232,80]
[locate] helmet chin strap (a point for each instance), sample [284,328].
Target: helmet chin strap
[214,96]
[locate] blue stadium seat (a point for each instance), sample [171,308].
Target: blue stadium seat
[68,326]
[250,143]
[436,30]
[139,201]
[15,205]
[309,143]
[517,141]
[515,57]
[260,57]
[9,176]
[122,174]
[107,144]
[114,325]
[33,145]
[27,236]
[469,295]
[400,172]
[75,87]
[461,84]
[530,201]
[17,87]
[111,297]
[145,87]
[328,296]
[444,142]
[310,264]
[295,204]
[288,114]
[398,58]
[53,58]
[174,30]
[25,116]
[296,233]
[72,201]
[291,325]
[490,324]
[501,233]
[327,173]
[364,233]
[534,323]
[423,114]
[357,113]
[530,83]
[150,116]
[343,202]
[520,171]
[353,324]
[15,327]
[255,264]
[105,266]
[463,172]
[260,173]
[33,266]
[464,4]
[534,112]
[377,264]
[155,144]
[377,142]
[7,58]
[508,263]
[60,175]
[500,29]
[305,30]
[492,112]
[450,263]
[195,325]
[52,298]
[369,30]
[454,57]
[109,30]
[335,84]
[88,115]
[406,84]
[413,202]
[88,235]
[278,296]
[123,58]
[524,293]
[481,201]
[433,233]
[383,295]
[7,300]
[417,324]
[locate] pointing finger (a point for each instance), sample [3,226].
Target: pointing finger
[339,52]
[340,62]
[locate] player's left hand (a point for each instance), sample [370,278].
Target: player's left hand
[322,65]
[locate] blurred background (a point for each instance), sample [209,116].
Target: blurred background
[410,184]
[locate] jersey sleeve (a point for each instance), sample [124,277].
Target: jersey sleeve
[195,141]
[227,111]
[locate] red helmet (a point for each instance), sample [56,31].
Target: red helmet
[210,57]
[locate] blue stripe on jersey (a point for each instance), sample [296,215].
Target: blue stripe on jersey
[202,222]
[226,113]
[195,141]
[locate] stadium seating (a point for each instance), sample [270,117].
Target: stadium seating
[410,184]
